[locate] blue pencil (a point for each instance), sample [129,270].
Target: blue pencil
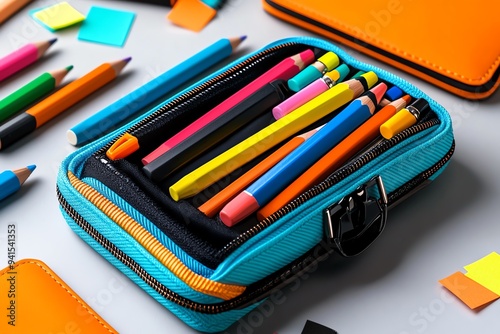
[133,103]
[282,174]
[11,181]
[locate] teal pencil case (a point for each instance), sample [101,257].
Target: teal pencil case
[210,275]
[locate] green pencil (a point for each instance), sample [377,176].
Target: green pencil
[31,92]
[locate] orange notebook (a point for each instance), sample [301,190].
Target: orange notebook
[34,299]
[449,43]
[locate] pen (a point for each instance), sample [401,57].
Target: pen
[22,57]
[217,202]
[283,70]
[312,90]
[325,63]
[283,173]
[11,181]
[31,92]
[132,103]
[216,131]
[403,119]
[53,105]
[275,133]
[335,158]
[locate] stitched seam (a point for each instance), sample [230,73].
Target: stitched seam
[486,75]
[17,264]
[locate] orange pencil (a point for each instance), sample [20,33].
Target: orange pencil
[10,7]
[334,159]
[56,103]
[217,202]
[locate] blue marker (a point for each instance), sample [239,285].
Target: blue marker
[133,103]
[287,170]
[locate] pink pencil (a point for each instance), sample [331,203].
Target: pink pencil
[283,70]
[23,57]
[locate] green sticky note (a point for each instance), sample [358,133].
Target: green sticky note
[106,26]
[58,16]
[486,271]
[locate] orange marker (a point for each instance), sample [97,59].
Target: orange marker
[217,202]
[56,103]
[334,159]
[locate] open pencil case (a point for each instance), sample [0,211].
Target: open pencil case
[210,275]
[423,38]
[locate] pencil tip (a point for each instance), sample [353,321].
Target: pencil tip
[69,68]
[31,167]
[127,59]
[242,38]
[52,41]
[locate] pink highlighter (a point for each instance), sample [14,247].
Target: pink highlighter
[310,91]
[284,70]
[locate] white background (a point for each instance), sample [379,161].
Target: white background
[391,288]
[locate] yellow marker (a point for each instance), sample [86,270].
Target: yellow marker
[403,119]
[240,154]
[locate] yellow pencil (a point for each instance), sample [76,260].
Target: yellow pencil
[253,146]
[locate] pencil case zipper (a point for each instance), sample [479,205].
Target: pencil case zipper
[262,288]
[263,224]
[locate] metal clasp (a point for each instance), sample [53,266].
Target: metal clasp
[352,224]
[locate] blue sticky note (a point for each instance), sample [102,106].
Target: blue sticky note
[106,26]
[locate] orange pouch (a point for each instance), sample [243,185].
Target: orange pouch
[35,300]
[448,43]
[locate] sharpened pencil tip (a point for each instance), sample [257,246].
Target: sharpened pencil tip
[242,38]
[127,59]
[52,41]
[69,68]
[31,167]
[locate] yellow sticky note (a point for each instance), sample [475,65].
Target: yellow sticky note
[486,271]
[59,16]
[469,291]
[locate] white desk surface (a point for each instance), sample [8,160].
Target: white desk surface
[391,288]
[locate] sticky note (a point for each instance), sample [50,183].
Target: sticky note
[470,292]
[106,26]
[191,14]
[58,16]
[486,271]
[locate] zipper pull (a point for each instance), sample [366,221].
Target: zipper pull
[353,223]
[123,147]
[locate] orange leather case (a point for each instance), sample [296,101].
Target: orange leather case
[451,43]
[33,299]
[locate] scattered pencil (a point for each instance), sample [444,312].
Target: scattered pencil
[39,114]
[11,181]
[31,92]
[23,57]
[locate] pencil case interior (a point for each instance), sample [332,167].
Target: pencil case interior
[210,275]
[419,37]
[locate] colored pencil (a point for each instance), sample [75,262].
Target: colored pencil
[403,119]
[325,63]
[42,112]
[11,181]
[10,7]
[335,158]
[210,135]
[312,90]
[288,169]
[283,70]
[132,104]
[217,202]
[22,57]
[31,92]
[270,136]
